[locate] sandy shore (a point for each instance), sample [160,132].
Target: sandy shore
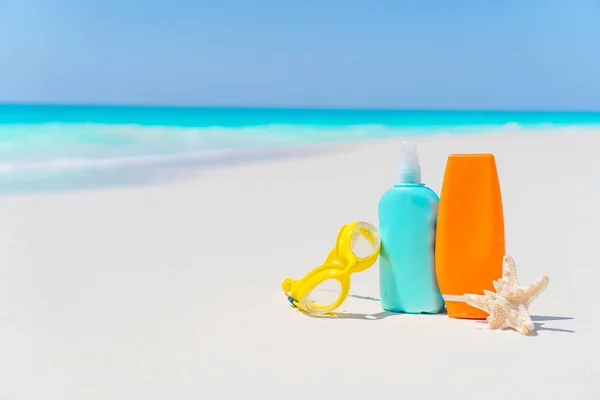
[172,291]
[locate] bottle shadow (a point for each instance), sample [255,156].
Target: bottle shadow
[340,315]
[366,316]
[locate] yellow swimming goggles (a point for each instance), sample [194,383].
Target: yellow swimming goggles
[357,249]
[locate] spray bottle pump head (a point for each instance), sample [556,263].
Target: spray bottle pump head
[409,169]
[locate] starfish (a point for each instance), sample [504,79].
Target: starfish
[508,306]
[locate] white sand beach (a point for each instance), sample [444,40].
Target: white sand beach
[172,290]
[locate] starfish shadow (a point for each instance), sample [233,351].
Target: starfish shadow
[540,327]
[548,318]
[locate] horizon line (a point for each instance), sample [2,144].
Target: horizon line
[291,107]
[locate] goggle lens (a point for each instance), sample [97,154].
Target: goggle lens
[321,299]
[365,240]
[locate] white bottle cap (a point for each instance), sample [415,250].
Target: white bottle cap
[409,170]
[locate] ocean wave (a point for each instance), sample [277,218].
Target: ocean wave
[64,146]
[101,163]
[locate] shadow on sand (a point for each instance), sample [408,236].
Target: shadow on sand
[539,325]
[538,320]
[366,316]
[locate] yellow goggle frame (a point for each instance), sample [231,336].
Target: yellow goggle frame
[341,262]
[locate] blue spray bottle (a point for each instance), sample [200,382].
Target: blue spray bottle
[407,223]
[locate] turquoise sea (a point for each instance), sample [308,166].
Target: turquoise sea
[40,142]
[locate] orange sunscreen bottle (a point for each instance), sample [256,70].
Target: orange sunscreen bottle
[470,232]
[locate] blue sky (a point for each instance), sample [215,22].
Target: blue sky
[527,54]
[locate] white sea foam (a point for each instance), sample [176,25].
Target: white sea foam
[55,146]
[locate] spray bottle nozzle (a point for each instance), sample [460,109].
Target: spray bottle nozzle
[409,170]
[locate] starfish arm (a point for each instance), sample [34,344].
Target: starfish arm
[498,316]
[500,285]
[477,301]
[533,290]
[510,272]
[524,323]
[497,286]
[512,321]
